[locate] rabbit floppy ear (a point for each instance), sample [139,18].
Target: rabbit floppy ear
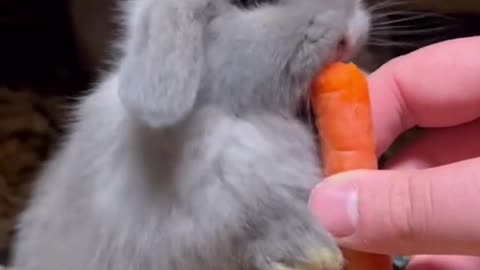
[160,74]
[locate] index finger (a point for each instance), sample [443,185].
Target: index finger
[437,86]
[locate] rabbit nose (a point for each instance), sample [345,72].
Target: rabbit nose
[344,49]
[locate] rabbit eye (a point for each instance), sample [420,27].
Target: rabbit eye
[249,4]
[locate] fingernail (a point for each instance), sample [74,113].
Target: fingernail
[335,205]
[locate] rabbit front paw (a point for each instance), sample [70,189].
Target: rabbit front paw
[292,240]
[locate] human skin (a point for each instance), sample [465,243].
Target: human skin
[426,200]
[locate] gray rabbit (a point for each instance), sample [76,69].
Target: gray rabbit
[198,159]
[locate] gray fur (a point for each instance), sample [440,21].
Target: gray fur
[188,155]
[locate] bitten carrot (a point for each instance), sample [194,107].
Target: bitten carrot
[341,105]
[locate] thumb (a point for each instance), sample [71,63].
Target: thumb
[433,211]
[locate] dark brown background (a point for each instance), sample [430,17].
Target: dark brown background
[37,48]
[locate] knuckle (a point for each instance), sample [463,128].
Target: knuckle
[405,214]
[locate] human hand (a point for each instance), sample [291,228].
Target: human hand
[426,203]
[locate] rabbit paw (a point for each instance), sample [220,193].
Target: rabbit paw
[293,241]
[317,260]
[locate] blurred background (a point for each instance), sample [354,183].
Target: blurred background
[51,50]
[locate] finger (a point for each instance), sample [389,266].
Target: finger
[445,262]
[436,147]
[403,212]
[429,88]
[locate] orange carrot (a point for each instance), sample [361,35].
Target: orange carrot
[341,105]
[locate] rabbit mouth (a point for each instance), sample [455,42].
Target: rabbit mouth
[345,52]
[305,114]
